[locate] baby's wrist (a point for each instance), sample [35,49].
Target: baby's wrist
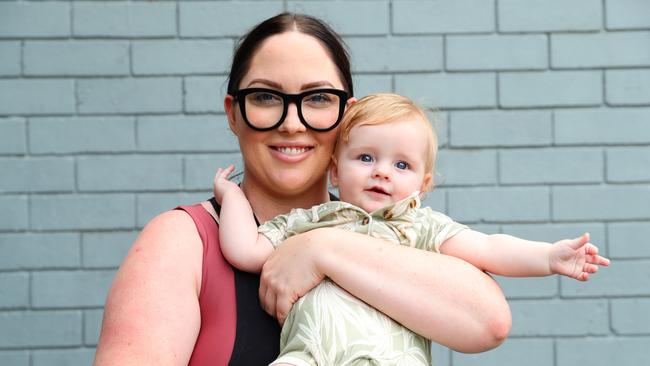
[549,259]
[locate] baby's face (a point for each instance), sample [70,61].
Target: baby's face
[382,164]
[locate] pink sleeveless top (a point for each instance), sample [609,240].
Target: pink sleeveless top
[217,299]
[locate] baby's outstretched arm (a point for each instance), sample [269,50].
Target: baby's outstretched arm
[242,246]
[511,256]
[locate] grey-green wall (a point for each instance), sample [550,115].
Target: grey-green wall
[111,112]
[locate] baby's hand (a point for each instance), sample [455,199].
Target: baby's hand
[222,184]
[576,258]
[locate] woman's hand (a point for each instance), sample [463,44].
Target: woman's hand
[288,274]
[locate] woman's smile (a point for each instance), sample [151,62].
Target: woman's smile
[291,151]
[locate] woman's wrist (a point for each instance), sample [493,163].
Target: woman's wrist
[322,249]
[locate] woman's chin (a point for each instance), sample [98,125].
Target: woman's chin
[295,182]
[301,174]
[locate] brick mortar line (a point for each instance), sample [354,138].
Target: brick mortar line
[611,317]
[391,18]
[47,348]
[603,8]
[122,153]
[177,19]
[72,16]
[422,72]
[497,25]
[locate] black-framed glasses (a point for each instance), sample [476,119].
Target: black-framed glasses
[318,109]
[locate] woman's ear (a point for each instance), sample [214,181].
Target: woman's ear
[334,176]
[350,102]
[229,106]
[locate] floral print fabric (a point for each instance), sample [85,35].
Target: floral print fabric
[328,326]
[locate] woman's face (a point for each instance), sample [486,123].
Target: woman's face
[290,159]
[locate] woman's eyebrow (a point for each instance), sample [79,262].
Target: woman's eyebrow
[315,84]
[266,82]
[275,85]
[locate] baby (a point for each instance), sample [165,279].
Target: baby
[384,158]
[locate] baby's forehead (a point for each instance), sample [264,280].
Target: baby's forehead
[413,127]
[400,138]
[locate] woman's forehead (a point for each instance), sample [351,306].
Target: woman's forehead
[293,60]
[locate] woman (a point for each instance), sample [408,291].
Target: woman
[176,301]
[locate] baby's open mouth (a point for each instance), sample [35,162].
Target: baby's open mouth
[378,190]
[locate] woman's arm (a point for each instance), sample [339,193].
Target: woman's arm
[440,297]
[152,314]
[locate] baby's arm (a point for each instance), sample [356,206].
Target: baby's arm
[510,256]
[242,246]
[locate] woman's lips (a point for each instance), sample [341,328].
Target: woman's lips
[291,150]
[291,154]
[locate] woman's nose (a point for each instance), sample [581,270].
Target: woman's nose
[291,123]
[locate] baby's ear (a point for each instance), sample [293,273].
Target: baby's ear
[334,175]
[427,183]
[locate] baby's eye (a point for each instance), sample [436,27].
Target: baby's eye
[365,158]
[402,165]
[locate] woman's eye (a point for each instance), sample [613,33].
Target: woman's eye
[402,165]
[320,100]
[365,158]
[265,98]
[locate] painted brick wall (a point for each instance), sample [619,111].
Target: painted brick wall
[111,112]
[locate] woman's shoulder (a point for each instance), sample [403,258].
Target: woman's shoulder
[171,237]
[163,266]
[181,221]
[170,226]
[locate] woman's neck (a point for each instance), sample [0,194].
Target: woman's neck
[267,204]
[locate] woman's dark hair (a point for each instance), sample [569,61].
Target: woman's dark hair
[281,23]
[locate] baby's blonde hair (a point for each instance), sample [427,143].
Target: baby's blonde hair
[381,108]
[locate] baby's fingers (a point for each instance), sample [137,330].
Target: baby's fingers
[598,260]
[229,170]
[590,268]
[224,173]
[579,241]
[591,249]
[217,175]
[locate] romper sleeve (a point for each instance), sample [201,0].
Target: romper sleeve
[281,227]
[300,220]
[434,228]
[276,229]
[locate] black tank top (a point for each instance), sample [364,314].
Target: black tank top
[257,338]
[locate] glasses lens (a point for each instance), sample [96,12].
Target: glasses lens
[263,109]
[321,109]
